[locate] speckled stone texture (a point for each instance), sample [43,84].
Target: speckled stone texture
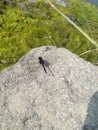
[64,98]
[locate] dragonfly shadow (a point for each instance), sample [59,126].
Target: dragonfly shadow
[46,63]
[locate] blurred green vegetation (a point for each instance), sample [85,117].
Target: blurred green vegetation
[37,24]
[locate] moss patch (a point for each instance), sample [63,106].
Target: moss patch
[22,29]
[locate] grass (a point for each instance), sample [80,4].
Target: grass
[22,29]
[77,27]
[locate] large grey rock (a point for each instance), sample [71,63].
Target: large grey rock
[64,98]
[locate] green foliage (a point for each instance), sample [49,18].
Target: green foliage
[22,29]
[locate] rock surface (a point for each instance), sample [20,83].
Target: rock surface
[64,98]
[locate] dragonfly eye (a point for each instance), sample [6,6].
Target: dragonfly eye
[40,58]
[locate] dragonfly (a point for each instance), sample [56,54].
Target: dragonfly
[42,62]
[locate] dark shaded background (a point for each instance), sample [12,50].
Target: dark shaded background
[91,121]
[93,1]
